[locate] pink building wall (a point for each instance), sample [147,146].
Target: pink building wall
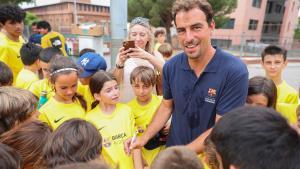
[289,23]
[245,11]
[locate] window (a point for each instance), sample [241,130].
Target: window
[278,8]
[256,3]
[266,27]
[269,6]
[229,24]
[253,24]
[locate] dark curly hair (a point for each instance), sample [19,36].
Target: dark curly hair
[11,12]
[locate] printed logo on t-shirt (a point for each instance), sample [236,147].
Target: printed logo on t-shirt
[56,42]
[57,120]
[211,98]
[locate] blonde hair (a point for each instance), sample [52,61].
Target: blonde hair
[166,50]
[16,105]
[145,23]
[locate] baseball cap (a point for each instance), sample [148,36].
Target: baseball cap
[90,63]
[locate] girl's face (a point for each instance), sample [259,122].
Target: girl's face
[66,86]
[140,35]
[257,100]
[109,94]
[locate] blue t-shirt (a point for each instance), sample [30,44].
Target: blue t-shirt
[222,86]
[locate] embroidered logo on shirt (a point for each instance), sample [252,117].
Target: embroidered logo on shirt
[212,93]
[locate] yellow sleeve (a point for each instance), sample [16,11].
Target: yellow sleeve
[3,55]
[288,111]
[44,42]
[44,118]
[35,89]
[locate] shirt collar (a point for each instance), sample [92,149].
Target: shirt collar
[212,66]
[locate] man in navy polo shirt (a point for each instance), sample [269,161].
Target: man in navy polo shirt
[200,84]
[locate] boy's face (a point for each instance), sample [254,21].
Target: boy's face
[142,91]
[42,31]
[45,68]
[274,65]
[13,28]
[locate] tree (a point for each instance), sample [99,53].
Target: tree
[160,11]
[30,18]
[14,1]
[297,31]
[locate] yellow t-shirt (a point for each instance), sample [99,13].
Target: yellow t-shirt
[287,102]
[156,46]
[10,54]
[54,39]
[84,90]
[54,113]
[25,78]
[114,129]
[42,85]
[143,115]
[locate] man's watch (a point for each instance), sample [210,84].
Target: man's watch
[119,66]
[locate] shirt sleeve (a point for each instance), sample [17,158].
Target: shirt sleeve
[167,94]
[235,91]
[3,55]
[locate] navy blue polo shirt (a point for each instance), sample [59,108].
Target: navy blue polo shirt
[222,86]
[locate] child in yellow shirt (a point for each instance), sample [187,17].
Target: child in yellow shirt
[114,121]
[30,58]
[11,24]
[144,106]
[66,103]
[274,60]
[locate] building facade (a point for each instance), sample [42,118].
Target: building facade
[260,21]
[62,15]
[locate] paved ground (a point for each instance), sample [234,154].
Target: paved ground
[291,74]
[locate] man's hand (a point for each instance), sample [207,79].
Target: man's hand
[136,144]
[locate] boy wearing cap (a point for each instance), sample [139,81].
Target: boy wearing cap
[90,63]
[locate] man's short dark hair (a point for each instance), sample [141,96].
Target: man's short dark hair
[30,53]
[11,12]
[184,5]
[252,137]
[274,50]
[6,75]
[48,53]
[44,25]
[9,158]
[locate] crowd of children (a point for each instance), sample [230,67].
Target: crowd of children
[58,113]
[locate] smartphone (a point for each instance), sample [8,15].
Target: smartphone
[128,44]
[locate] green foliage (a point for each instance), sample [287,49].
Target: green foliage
[297,31]
[14,1]
[160,11]
[30,18]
